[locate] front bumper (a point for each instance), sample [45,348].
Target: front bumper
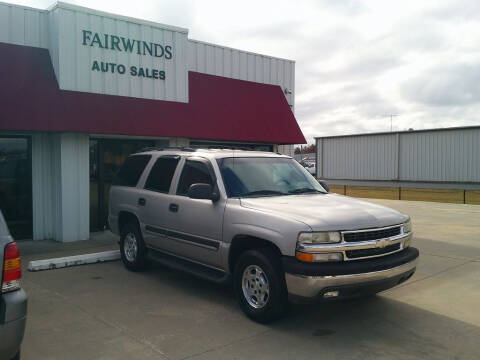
[13,311]
[310,282]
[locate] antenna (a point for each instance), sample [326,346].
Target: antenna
[391,120]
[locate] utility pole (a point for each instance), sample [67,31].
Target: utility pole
[391,120]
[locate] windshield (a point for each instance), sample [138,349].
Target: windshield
[266,176]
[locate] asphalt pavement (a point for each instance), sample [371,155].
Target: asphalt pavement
[103,311]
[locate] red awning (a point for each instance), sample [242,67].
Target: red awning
[219,108]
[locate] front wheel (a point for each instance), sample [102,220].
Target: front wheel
[132,248]
[259,285]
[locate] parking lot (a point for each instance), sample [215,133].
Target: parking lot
[103,311]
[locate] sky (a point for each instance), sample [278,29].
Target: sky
[357,62]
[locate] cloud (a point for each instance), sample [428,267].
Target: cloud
[455,85]
[459,10]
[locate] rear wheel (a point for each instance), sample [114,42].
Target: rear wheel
[259,285]
[132,248]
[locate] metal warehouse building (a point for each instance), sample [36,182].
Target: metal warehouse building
[81,89]
[430,165]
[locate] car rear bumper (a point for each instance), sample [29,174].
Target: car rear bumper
[309,283]
[13,311]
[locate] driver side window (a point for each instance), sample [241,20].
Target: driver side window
[193,172]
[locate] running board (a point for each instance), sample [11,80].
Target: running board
[195,269]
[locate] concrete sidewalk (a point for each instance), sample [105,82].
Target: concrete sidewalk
[43,249]
[103,311]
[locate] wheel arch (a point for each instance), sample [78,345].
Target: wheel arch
[242,243]
[126,217]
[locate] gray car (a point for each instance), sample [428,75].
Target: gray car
[260,221]
[13,300]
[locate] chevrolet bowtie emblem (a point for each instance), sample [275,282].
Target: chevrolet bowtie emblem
[382,243]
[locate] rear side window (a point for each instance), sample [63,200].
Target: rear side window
[161,175]
[193,172]
[131,170]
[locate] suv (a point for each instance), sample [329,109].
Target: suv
[260,220]
[13,300]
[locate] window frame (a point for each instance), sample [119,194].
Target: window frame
[172,181]
[198,159]
[219,164]
[114,182]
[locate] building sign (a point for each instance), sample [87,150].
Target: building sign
[109,54]
[133,70]
[120,43]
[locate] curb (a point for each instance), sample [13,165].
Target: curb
[62,262]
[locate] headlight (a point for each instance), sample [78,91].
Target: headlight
[407,227]
[314,238]
[319,237]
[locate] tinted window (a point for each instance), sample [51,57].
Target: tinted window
[131,170]
[161,174]
[193,172]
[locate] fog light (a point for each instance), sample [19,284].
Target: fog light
[330,294]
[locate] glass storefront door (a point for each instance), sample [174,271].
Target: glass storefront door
[106,157]
[16,185]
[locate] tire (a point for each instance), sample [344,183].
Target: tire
[251,291]
[132,248]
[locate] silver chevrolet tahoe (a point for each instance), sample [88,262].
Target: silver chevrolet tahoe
[13,300]
[260,221]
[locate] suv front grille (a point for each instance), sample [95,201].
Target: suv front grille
[355,254]
[371,235]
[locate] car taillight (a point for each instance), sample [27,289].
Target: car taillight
[12,268]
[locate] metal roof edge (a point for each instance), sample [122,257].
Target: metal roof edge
[67,6]
[400,132]
[240,50]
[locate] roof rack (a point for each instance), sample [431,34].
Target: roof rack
[163,148]
[224,147]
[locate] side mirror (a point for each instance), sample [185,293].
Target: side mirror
[203,191]
[324,185]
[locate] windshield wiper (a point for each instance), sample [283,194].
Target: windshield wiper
[264,192]
[304,190]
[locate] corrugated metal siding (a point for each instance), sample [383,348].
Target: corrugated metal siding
[367,157]
[23,26]
[288,150]
[232,63]
[53,39]
[60,189]
[430,156]
[440,156]
[75,185]
[43,199]
[319,158]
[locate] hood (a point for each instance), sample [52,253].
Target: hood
[327,212]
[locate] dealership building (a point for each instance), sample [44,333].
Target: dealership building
[81,89]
